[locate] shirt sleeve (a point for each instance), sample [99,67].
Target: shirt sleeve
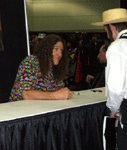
[116,75]
[24,79]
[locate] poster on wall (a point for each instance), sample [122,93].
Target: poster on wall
[1,43]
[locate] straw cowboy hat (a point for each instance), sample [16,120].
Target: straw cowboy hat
[115,15]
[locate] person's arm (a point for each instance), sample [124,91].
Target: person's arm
[24,79]
[62,94]
[115,80]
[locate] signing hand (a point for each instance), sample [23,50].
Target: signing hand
[63,94]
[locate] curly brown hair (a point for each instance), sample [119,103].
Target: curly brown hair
[43,50]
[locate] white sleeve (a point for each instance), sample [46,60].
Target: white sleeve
[115,79]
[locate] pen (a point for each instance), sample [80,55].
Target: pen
[97,91]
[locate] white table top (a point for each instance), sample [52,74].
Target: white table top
[26,108]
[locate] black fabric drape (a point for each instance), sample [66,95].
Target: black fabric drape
[14,42]
[70,129]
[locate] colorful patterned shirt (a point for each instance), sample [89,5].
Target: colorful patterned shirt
[29,77]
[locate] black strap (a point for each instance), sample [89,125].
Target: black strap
[122,36]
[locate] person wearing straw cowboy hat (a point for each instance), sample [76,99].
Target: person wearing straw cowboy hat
[115,24]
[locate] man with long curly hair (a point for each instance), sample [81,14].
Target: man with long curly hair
[40,76]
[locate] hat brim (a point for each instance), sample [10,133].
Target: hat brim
[111,21]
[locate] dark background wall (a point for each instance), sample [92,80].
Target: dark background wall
[123,4]
[14,41]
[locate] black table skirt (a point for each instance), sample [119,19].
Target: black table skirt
[77,128]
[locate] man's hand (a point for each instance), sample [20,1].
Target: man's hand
[114,114]
[89,78]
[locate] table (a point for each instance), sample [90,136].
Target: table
[74,124]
